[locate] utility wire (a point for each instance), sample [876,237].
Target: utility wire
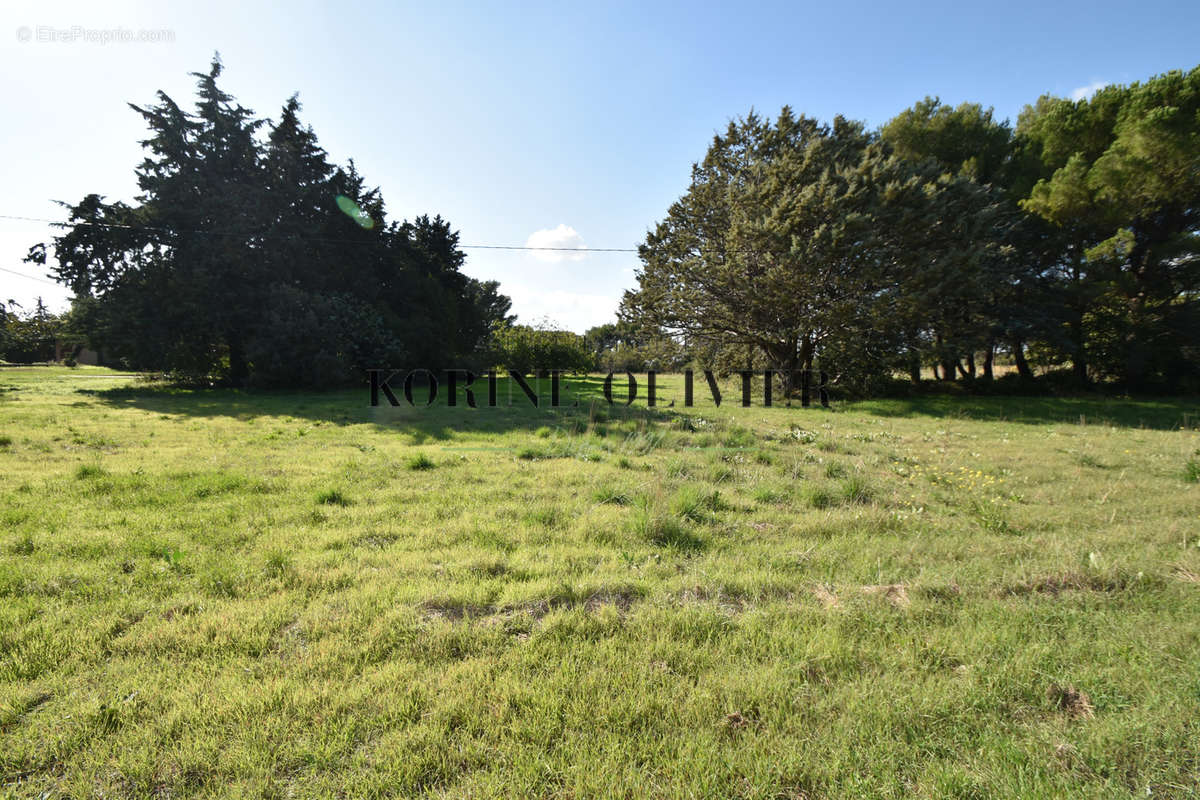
[30,277]
[313,238]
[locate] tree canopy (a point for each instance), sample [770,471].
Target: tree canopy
[250,257]
[805,240]
[943,236]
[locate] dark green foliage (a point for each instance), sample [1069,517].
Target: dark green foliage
[31,336]
[241,262]
[622,346]
[1116,182]
[318,340]
[946,239]
[526,348]
[810,244]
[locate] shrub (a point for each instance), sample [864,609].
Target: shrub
[524,348]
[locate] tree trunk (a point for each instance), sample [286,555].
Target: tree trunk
[1078,356]
[783,357]
[914,358]
[989,360]
[806,361]
[947,373]
[1018,347]
[1136,355]
[239,370]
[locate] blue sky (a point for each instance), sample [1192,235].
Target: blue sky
[578,121]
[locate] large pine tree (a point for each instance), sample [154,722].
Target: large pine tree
[252,258]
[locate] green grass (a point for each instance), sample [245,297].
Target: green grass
[333,497]
[215,593]
[420,461]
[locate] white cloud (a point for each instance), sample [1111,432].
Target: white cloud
[1087,91]
[575,311]
[562,236]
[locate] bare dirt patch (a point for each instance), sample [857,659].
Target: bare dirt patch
[1070,701]
[894,593]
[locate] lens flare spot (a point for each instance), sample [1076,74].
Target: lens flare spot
[351,210]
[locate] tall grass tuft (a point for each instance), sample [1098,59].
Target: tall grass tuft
[661,528]
[1191,470]
[691,503]
[610,495]
[88,471]
[332,497]
[420,461]
[855,490]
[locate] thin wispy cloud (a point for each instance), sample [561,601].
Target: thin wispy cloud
[1084,92]
[562,236]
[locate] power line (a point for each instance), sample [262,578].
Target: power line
[314,238]
[30,277]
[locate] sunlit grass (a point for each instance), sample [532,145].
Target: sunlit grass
[211,593]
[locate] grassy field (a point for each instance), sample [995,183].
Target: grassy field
[214,593]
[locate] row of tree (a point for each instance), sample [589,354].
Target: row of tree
[944,238]
[250,258]
[33,335]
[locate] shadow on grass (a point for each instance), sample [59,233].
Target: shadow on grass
[1154,413]
[581,403]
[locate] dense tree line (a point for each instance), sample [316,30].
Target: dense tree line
[250,258]
[32,335]
[943,239]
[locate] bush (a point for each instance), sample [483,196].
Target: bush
[524,349]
